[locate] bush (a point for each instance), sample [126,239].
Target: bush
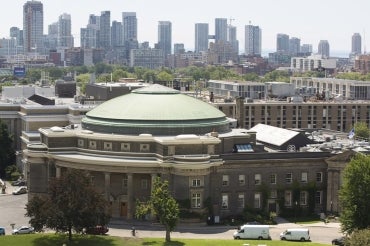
[359,238]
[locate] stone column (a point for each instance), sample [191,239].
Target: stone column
[153,176]
[58,172]
[130,196]
[107,186]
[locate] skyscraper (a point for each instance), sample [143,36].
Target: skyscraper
[282,42]
[16,33]
[231,38]
[324,48]
[165,37]
[117,34]
[129,23]
[253,40]
[65,38]
[220,29]
[104,30]
[306,48]
[33,26]
[201,37]
[356,44]
[294,46]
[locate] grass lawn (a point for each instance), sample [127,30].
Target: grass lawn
[88,240]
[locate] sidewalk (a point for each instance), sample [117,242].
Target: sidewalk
[284,222]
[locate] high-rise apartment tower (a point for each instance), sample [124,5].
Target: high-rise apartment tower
[201,37]
[253,40]
[33,26]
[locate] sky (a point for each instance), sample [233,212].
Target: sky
[311,21]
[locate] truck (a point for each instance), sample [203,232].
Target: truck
[253,232]
[297,234]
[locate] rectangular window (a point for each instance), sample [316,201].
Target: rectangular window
[195,182]
[318,196]
[319,177]
[288,178]
[304,177]
[257,179]
[124,183]
[241,179]
[273,178]
[303,198]
[288,198]
[257,200]
[195,200]
[225,180]
[144,184]
[225,201]
[273,194]
[241,202]
[211,149]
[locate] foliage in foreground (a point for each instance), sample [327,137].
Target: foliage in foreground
[162,204]
[359,238]
[355,194]
[71,204]
[88,240]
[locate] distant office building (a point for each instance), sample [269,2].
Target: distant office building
[129,23]
[104,30]
[356,44]
[147,58]
[89,36]
[220,29]
[178,49]
[221,52]
[231,38]
[117,34]
[362,63]
[33,26]
[16,33]
[294,46]
[282,42]
[324,48]
[201,37]
[311,63]
[306,48]
[65,38]
[253,40]
[165,37]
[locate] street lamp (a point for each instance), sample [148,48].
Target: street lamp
[295,211]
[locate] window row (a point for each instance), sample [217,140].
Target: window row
[272,179]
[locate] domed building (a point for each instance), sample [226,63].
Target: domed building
[126,142]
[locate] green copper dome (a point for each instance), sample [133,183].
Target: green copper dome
[156,110]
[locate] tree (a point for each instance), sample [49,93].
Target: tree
[72,203]
[7,153]
[162,204]
[354,196]
[361,130]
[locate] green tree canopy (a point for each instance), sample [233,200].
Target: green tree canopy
[361,130]
[354,195]
[162,204]
[7,153]
[72,203]
[164,76]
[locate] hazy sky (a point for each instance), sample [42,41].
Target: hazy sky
[311,21]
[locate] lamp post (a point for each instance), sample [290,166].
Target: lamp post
[295,211]
[331,207]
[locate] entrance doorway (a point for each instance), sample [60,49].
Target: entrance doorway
[123,209]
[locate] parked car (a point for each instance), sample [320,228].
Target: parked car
[97,230]
[23,230]
[20,190]
[338,241]
[19,183]
[2,231]
[298,234]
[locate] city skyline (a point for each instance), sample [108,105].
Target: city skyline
[318,20]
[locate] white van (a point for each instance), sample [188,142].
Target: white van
[299,234]
[253,232]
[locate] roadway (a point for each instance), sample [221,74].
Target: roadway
[12,211]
